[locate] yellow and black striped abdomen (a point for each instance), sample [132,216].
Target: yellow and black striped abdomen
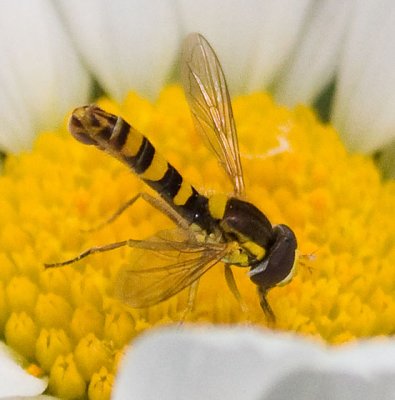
[92,125]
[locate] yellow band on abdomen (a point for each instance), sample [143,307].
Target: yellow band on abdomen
[183,194]
[133,143]
[157,168]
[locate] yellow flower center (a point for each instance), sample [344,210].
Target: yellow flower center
[67,320]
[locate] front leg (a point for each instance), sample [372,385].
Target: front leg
[267,309]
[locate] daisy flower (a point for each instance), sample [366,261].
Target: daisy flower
[283,61]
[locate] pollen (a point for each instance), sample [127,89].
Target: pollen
[69,322]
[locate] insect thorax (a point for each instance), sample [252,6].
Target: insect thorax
[247,225]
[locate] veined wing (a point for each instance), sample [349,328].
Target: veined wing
[208,97]
[166,264]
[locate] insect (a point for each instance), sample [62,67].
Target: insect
[208,230]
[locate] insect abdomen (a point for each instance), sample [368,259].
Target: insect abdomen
[92,125]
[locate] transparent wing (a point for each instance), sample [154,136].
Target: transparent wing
[165,264]
[208,97]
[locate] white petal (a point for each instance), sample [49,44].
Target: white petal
[252,38]
[315,59]
[365,94]
[14,380]
[246,364]
[40,75]
[128,44]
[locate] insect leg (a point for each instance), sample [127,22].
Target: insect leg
[192,292]
[153,201]
[230,280]
[114,216]
[271,318]
[134,243]
[166,209]
[86,253]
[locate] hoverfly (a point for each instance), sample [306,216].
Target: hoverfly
[209,230]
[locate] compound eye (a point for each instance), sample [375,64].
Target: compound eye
[277,268]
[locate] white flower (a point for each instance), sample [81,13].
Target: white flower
[41,77]
[14,380]
[296,49]
[246,364]
[51,51]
